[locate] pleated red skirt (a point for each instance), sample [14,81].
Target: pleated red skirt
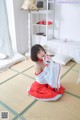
[44,91]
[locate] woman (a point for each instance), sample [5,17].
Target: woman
[47,84]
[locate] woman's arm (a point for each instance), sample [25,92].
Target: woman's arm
[37,69]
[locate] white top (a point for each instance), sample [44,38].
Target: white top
[50,75]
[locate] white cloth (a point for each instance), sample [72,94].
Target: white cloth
[50,75]
[5,36]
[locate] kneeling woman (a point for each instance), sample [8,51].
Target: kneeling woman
[47,84]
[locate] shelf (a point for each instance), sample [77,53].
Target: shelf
[37,25]
[42,27]
[42,37]
[42,11]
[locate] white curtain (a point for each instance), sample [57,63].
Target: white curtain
[5,39]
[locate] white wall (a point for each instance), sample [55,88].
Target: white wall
[18,25]
[10,14]
[67,18]
[20,19]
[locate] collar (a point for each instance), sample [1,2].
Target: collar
[40,60]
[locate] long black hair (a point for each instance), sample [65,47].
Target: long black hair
[34,51]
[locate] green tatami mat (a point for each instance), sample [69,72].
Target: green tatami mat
[6,75]
[76,67]
[70,64]
[30,72]
[67,108]
[9,113]
[69,81]
[22,66]
[14,93]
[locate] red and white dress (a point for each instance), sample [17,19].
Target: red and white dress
[46,82]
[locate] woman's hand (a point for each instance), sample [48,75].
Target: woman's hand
[57,89]
[47,58]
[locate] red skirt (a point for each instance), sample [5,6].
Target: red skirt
[44,91]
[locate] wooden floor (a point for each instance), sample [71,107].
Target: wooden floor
[14,99]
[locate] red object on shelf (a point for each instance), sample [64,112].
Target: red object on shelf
[43,22]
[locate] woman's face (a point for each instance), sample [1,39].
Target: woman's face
[41,54]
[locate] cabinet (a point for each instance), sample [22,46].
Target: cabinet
[42,23]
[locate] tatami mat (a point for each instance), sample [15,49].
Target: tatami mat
[70,82]
[14,93]
[7,75]
[76,67]
[30,72]
[20,67]
[64,70]
[70,64]
[19,119]
[67,108]
[10,114]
